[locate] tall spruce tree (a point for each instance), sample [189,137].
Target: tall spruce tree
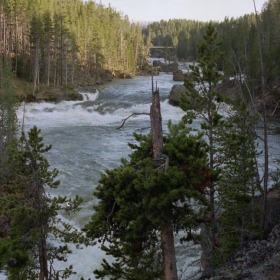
[27,251]
[239,183]
[204,100]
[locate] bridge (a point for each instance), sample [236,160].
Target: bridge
[161,47]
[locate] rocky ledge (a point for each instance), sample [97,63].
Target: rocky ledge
[259,260]
[230,89]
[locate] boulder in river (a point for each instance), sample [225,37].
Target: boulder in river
[174,94]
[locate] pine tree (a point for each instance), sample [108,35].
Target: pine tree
[239,183]
[36,31]
[27,250]
[8,108]
[204,100]
[47,46]
[139,197]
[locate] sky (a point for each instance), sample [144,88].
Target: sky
[202,10]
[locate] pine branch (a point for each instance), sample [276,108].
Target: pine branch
[112,211]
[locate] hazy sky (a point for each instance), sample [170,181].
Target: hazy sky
[204,10]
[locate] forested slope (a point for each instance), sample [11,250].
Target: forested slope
[238,35]
[61,42]
[240,47]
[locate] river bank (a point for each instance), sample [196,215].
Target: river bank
[55,94]
[71,92]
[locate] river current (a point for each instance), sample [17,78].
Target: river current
[85,142]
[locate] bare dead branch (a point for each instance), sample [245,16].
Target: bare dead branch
[195,262]
[134,114]
[144,128]
[246,84]
[163,166]
[194,275]
[276,107]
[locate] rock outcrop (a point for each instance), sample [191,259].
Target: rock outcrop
[232,87]
[259,260]
[175,93]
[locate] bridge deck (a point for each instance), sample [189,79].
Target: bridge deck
[162,47]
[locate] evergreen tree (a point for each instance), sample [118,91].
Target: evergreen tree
[139,197]
[50,41]
[239,183]
[36,31]
[27,251]
[8,127]
[205,100]
[8,107]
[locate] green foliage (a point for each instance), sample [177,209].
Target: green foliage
[201,96]
[32,215]
[8,108]
[239,182]
[240,43]
[69,41]
[183,34]
[232,152]
[138,197]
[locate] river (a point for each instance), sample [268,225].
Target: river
[85,142]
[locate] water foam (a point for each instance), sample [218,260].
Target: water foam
[90,96]
[67,113]
[85,142]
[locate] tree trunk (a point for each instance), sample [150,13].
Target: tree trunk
[207,250]
[36,67]
[265,133]
[167,237]
[156,126]
[43,257]
[168,252]
[61,51]
[208,234]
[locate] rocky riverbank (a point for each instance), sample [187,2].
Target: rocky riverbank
[259,260]
[232,88]
[48,94]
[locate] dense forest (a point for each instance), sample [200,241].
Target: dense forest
[211,187]
[238,36]
[59,42]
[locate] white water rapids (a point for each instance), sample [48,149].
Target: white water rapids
[85,142]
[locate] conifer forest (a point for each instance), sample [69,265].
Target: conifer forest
[211,185]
